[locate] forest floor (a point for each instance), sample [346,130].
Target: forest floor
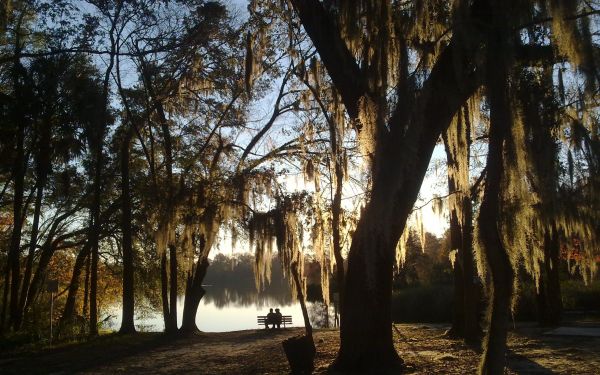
[423,347]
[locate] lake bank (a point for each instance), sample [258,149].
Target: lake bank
[423,347]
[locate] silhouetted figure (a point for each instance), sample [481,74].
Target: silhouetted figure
[278,318]
[271,319]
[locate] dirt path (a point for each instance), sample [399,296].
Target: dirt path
[427,351]
[423,348]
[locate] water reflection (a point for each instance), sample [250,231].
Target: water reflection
[223,310]
[230,282]
[226,298]
[232,302]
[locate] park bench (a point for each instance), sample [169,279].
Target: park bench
[286,320]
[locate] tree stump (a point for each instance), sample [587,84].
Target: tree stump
[300,352]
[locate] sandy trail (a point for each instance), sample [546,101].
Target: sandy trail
[423,347]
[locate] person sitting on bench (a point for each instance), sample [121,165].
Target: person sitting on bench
[278,318]
[271,319]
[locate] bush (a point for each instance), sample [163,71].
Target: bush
[578,296]
[423,304]
[575,296]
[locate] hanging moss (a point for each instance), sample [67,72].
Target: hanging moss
[572,36]
[532,202]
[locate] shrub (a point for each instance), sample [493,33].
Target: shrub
[423,304]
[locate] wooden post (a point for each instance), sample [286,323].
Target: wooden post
[52,287]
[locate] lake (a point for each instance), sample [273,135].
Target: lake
[223,310]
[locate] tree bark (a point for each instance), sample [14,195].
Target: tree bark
[366,341]
[42,169]
[169,287]
[173,287]
[193,295]
[94,240]
[47,251]
[299,290]
[36,283]
[489,220]
[401,158]
[86,286]
[19,169]
[5,296]
[127,322]
[366,336]
[99,133]
[467,289]
[30,255]
[194,290]
[15,239]
[336,207]
[80,261]
[549,294]
[458,315]
[473,287]
[164,293]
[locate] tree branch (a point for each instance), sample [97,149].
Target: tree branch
[339,61]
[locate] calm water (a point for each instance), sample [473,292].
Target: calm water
[226,310]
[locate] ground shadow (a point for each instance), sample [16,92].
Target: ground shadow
[115,350]
[78,357]
[525,366]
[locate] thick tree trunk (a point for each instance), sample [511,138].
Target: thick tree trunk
[193,295]
[366,329]
[489,220]
[402,154]
[194,290]
[127,323]
[549,294]
[366,340]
